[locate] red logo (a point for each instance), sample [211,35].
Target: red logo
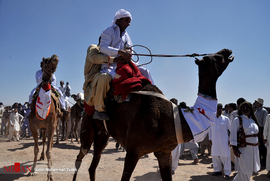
[17,168]
[201,111]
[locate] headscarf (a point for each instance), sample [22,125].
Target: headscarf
[252,115]
[121,14]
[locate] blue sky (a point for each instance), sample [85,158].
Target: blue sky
[32,29]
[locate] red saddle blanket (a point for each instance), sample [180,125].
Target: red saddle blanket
[130,79]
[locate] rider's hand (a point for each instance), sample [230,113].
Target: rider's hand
[125,54]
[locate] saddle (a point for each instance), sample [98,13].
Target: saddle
[54,97]
[130,79]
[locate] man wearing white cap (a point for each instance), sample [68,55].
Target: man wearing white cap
[113,42]
[261,114]
[114,39]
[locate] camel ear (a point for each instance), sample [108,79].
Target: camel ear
[203,60]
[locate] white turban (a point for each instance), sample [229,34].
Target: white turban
[121,14]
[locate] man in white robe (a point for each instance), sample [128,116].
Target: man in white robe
[15,120]
[247,158]
[219,139]
[266,137]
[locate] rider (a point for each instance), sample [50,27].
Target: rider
[39,75]
[115,40]
[97,83]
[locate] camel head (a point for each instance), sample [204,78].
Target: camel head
[49,66]
[210,68]
[216,63]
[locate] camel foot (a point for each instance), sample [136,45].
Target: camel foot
[42,157]
[31,174]
[50,178]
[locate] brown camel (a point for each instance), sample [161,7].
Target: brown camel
[146,123]
[76,115]
[49,124]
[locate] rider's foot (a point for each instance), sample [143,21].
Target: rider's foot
[100,115]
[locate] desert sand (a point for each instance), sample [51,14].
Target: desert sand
[109,169]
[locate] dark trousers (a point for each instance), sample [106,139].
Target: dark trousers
[262,148]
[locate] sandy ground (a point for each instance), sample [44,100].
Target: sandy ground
[109,169]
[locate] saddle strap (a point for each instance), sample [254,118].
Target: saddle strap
[177,121]
[151,93]
[57,103]
[252,135]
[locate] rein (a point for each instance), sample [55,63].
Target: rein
[160,55]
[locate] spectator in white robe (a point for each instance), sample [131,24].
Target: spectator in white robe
[62,87]
[266,137]
[247,157]
[15,120]
[25,124]
[219,139]
[233,115]
[3,125]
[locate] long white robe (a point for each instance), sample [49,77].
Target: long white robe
[14,125]
[220,138]
[266,135]
[219,135]
[249,160]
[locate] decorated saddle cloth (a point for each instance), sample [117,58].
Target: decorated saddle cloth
[128,78]
[200,117]
[43,103]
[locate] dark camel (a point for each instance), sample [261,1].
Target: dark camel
[146,123]
[76,115]
[49,124]
[65,119]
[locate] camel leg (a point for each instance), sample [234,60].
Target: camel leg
[87,135]
[76,129]
[100,142]
[66,121]
[43,144]
[57,133]
[50,131]
[165,165]
[72,128]
[36,149]
[63,129]
[131,161]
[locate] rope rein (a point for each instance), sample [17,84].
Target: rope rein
[159,55]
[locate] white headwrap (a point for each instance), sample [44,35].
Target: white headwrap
[121,14]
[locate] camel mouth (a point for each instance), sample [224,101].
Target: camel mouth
[226,53]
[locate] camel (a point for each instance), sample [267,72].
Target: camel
[76,115]
[146,123]
[50,122]
[65,119]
